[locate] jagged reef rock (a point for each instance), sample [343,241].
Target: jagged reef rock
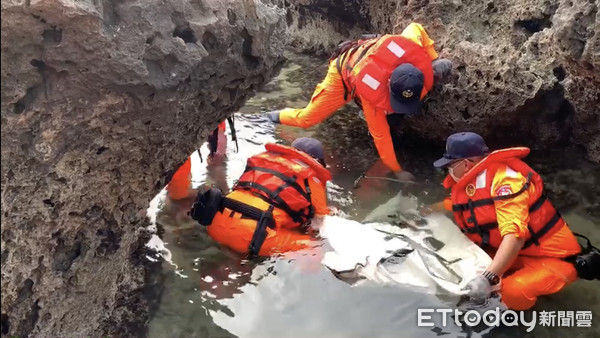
[318,26]
[99,100]
[525,72]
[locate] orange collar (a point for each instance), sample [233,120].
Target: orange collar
[496,156]
[321,171]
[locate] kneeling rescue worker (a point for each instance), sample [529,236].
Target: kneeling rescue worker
[385,75]
[498,201]
[278,194]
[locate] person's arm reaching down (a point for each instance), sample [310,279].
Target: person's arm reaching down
[512,216]
[318,196]
[380,131]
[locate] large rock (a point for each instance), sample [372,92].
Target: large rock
[318,26]
[524,71]
[99,100]
[576,41]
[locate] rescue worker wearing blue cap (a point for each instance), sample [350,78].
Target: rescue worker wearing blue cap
[385,75]
[498,201]
[278,194]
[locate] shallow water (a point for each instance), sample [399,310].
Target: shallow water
[212,292]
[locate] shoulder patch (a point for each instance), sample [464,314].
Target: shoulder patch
[480,182]
[504,190]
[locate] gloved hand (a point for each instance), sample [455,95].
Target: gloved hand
[441,69]
[274,116]
[478,288]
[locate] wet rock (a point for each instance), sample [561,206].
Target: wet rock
[100,99]
[318,26]
[520,71]
[577,44]
[524,72]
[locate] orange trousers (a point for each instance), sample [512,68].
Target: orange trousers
[236,233]
[530,277]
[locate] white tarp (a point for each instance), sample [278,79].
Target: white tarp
[429,253]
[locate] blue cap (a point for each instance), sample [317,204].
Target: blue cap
[310,146]
[406,85]
[462,145]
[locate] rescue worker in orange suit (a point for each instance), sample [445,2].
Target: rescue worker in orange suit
[278,194]
[498,201]
[385,75]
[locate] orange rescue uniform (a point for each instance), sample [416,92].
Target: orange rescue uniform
[278,164]
[502,195]
[331,93]
[180,185]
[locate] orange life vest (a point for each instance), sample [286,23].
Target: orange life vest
[366,68]
[473,204]
[280,177]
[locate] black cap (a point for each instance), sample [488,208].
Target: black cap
[406,85]
[310,146]
[462,145]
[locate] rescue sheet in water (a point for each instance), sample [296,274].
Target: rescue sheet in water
[403,248]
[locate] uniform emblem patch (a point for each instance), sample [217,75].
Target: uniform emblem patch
[470,190]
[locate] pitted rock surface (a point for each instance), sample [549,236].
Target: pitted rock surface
[100,99]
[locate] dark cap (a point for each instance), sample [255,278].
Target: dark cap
[406,85]
[310,146]
[462,145]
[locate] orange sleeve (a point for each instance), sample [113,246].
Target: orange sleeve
[416,33]
[512,214]
[442,206]
[447,203]
[327,98]
[380,131]
[318,196]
